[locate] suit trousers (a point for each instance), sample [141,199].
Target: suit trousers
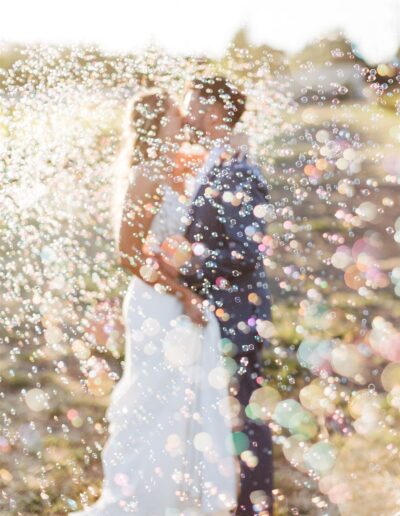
[256,475]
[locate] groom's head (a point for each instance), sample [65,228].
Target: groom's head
[213,107]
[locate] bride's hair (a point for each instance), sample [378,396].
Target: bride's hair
[146,113]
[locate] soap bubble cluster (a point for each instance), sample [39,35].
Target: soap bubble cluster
[331,157]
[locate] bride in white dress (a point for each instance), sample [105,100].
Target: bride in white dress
[169,451]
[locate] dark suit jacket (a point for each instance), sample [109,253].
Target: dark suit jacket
[226,232]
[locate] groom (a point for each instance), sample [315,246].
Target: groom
[226,229]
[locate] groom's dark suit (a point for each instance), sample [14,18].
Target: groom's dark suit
[226,222]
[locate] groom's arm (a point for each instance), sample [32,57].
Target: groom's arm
[243,228]
[241,214]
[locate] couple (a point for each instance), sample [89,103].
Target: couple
[181,440]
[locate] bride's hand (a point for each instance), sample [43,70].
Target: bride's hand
[175,251]
[165,268]
[193,308]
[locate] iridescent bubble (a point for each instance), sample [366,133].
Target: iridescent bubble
[347,361]
[364,402]
[367,211]
[99,383]
[36,400]
[342,258]
[182,345]
[304,425]
[262,403]
[310,396]
[322,136]
[240,442]
[285,410]
[203,441]
[53,335]
[260,211]
[353,278]
[4,445]
[390,377]
[320,457]
[81,349]
[150,327]
[293,449]
[266,329]
[393,397]
[249,458]
[174,445]
[219,378]
[229,407]
[315,354]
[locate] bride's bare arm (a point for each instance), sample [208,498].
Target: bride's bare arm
[142,199]
[140,203]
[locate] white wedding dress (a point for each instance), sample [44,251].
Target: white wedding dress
[169,451]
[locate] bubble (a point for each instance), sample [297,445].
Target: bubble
[182,345]
[150,327]
[320,457]
[240,442]
[229,407]
[322,136]
[347,361]
[265,329]
[390,376]
[260,211]
[262,403]
[120,479]
[285,410]
[314,354]
[364,402]
[342,164]
[341,260]
[294,448]
[100,384]
[349,154]
[4,445]
[367,211]
[303,424]
[219,378]
[203,441]
[353,278]
[313,398]
[75,418]
[345,188]
[174,445]
[53,335]
[36,400]
[148,273]
[81,349]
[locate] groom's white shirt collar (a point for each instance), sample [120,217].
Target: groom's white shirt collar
[212,158]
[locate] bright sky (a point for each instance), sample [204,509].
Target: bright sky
[203,26]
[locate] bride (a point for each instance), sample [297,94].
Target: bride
[169,451]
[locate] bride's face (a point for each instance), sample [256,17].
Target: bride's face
[171,130]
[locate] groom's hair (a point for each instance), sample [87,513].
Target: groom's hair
[218,89]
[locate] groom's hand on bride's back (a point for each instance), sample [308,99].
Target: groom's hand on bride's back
[167,269]
[192,303]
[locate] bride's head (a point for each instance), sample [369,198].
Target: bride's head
[152,131]
[155,124]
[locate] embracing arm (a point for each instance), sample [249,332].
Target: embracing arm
[141,202]
[243,228]
[142,199]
